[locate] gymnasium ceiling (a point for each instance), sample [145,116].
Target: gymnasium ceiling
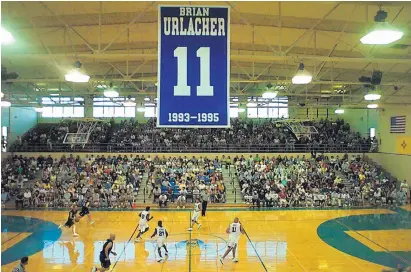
[117,42]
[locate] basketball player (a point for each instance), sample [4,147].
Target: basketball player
[234,231]
[85,210]
[161,234]
[196,215]
[105,254]
[142,225]
[71,220]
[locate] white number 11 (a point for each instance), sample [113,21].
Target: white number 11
[182,89]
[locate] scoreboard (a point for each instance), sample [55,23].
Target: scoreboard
[193,67]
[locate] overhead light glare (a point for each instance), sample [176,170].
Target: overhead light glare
[302,76]
[77,75]
[251,104]
[372,96]
[5,37]
[5,104]
[383,33]
[141,109]
[241,110]
[372,106]
[339,111]
[269,95]
[111,93]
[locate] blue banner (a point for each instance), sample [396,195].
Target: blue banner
[193,66]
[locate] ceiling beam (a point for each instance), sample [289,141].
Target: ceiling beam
[132,92]
[68,26]
[234,57]
[233,80]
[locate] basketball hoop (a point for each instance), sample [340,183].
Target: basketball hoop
[299,128]
[85,126]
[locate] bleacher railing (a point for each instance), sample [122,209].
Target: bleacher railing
[238,148]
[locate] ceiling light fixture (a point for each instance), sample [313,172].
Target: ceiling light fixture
[372,96]
[5,37]
[129,102]
[372,106]
[77,75]
[147,99]
[302,76]
[383,33]
[269,95]
[111,92]
[339,111]
[5,104]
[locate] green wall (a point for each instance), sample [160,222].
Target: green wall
[396,165]
[360,120]
[18,120]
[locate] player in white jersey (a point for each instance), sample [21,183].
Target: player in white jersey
[234,231]
[162,235]
[196,215]
[143,223]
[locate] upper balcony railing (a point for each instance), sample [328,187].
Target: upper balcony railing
[181,148]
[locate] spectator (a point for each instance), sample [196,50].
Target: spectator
[181,201]
[21,267]
[162,200]
[27,197]
[4,196]
[19,200]
[157,193]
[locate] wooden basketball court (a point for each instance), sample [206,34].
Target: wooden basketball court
[281,240]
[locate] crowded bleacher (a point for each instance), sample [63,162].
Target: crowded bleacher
[106,182]
[184,178]
[114,182]
[244,135]
[316,181]
[111,182]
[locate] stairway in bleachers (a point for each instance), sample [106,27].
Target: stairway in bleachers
[144,186]
[232,187]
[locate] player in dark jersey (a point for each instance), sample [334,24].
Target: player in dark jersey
[105,254]
[85,211]
[71,220]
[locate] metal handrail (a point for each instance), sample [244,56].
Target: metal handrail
[237,148]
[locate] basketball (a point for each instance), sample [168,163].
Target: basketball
[77,219]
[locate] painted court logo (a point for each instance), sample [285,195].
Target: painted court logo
[350,235]
[41,234]
[193,243]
